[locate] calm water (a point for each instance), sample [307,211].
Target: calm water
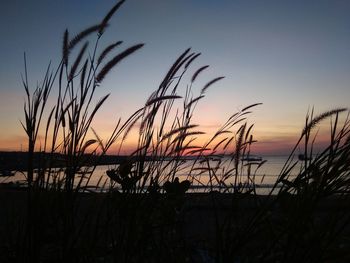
[265,176]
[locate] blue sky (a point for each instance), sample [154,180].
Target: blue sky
[289,55]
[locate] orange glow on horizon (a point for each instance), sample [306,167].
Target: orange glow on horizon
[270,140]
[264,146]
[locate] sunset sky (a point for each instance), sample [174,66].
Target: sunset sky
[289,55]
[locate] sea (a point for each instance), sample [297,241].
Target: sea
[220,177]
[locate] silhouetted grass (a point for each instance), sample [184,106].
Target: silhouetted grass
[66,130]
[305,218]
[146,214]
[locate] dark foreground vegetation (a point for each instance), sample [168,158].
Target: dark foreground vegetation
[206,227]
[151,218]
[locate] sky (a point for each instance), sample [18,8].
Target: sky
[289,55]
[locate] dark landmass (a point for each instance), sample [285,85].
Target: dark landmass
[17,161]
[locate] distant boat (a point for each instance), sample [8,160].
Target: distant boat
[302,157]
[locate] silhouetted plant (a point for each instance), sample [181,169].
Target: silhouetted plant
[66,132]
[144,222]
[71,118]
[297,222]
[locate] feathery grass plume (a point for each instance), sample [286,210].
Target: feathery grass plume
[165,97]
[191,102]
[177,64]
[251,106]
[83,34]
[248,132]
[104,71]
[319,118]
[206,86]
[195,75]
[25,78]
[77,62]
[180,129]
[191,60]
[185,135]
[239,143]
[87,144]
[107,50]
[105,20]
[65,48]
[63,120]
[148,118]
